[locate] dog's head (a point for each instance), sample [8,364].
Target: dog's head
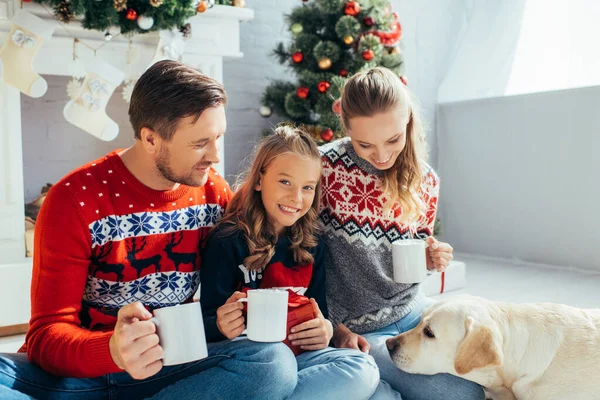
[454,336]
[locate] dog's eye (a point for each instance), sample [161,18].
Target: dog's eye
[428,332]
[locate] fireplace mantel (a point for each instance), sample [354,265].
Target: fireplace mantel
[215,36]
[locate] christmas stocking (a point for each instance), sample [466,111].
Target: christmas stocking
[20,48]
[87,108]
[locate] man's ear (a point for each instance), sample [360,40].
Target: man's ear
[150,140]
[478,349]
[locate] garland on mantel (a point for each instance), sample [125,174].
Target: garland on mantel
[132,16]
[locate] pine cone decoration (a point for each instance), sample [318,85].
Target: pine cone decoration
[64,12]
[186,30]
[156,3]
[120,5]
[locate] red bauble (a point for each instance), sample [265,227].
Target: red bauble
[302,92]
[404,79]
[297,57]
[131,14]
[327,134]
[343,72]
[369,21]
[352,8]
[368,55]
[336,107]
[323,86]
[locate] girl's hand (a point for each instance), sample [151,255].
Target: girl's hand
[314,334]
[439,254]
[346,339]
[230,320]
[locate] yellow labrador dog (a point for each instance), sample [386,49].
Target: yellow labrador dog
[523,351]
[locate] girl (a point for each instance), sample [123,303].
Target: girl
[377,188]
[268,239]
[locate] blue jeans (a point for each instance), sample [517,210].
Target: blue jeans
[335,374]
[396,383]
[233,370]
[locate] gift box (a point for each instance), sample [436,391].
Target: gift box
[454,278]
[300,310]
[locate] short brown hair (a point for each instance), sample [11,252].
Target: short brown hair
[169,91]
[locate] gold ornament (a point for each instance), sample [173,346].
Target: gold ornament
[156,3]
[348,39]
[120,5]
[325,63]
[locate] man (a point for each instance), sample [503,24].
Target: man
[108,246]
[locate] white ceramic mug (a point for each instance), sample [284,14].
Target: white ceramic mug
[266,320]
[409,260]
[181,333]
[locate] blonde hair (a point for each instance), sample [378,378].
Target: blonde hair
[378,90]
[246,211]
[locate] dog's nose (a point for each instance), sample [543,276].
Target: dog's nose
[391,343]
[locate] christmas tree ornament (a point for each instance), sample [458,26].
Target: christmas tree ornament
[131,14]
[108,36]
[348,39]
[302,92]
[64,12]
[296,28]
[74,88]
[171,46]
[343,72]
[336,107]
[88,110]
[120,5]
[327,134]
[186,30]
[369,21]
[156,3]
[325,63]
[352,8]
[404,79]
[323,86]
[202,6]
[27,35]
[391,37]
[368,55]
[145,22]
[297,57]
[265,111]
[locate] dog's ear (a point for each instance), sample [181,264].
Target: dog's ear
[477,350]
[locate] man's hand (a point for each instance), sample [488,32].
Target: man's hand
[134,344]
[230,320]
[314,334]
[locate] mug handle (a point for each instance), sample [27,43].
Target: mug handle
[156,323]
[243,300]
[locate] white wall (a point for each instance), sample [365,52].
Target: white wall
[525,46]
[52,147]
[520,177]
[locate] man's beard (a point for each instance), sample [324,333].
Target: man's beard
[162,164]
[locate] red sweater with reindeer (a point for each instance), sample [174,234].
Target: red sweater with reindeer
[104,240]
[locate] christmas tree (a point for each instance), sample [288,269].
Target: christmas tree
[332,39]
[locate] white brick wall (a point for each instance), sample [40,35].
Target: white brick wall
[52,147]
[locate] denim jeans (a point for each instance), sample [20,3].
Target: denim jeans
[396,383]
[335,374]
[233,370]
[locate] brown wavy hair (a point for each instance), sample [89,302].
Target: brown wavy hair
[247,213]
[378,90]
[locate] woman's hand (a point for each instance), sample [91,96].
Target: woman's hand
[439,254]
[346,339]
[314,334]
[230,320]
